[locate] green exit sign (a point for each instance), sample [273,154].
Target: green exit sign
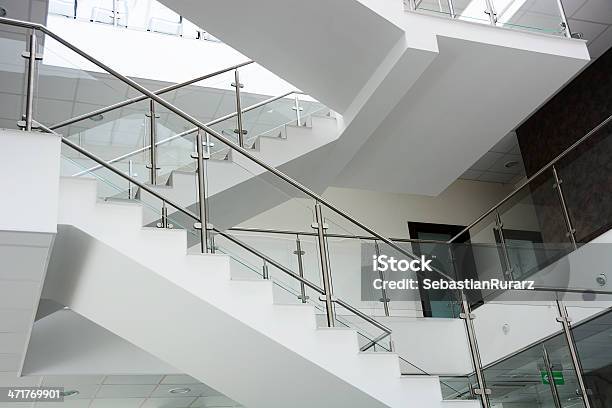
[557,377]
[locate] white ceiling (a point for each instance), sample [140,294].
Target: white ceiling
[122,391]
[491,167]
[592,18]
[67,350]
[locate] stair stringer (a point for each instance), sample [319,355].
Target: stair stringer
[226,333]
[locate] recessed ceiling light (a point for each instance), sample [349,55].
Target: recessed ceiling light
[510,164]
[3,12]
[69,393]
[184,390]
[97,118]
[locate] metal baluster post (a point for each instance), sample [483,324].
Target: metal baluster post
[208,145]
[551,378]
[115,18]
[565,321]
[240,130]
[384,299]
[130,186]
[31,56]
[296,107]
[491,12]
[482,391]
[412,5]
[451,9]
[203,225]
[264,270]
[564,24]
[152,143]
[300,253]
[499,226]
[211,238]
[323,256]
[571,231]
[164,221]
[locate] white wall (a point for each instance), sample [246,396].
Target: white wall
[387,213]
[461,203]
[29,175]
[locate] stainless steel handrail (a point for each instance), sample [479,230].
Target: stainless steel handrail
[189,131]
[270,261]
[493,15]
[333,235]
[534,176]
[243,151]
[308,283]
[140,98]
[185,211]
[118,172]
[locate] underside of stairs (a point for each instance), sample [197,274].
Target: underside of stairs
[226,332]
[412,89]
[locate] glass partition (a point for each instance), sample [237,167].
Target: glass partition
[525,378]
[147,15]
[593,344]
[13,43]
[585,173]
[534,15]
[534,231]
[467,10]
[543,16]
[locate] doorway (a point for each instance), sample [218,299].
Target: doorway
[443,303]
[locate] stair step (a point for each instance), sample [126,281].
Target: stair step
[460,404]
[120,200]
[253,291]
[385,362]
[243,308]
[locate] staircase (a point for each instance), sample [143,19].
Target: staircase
[405,83]
[226,332]
[231,177]
[197,315]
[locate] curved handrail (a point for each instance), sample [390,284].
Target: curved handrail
[243,151]
[534,176]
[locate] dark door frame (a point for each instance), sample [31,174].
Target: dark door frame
[414,228]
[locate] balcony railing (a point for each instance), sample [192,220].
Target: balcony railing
[148,15]
[543,16]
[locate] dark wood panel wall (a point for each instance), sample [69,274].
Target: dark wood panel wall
[587,173]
